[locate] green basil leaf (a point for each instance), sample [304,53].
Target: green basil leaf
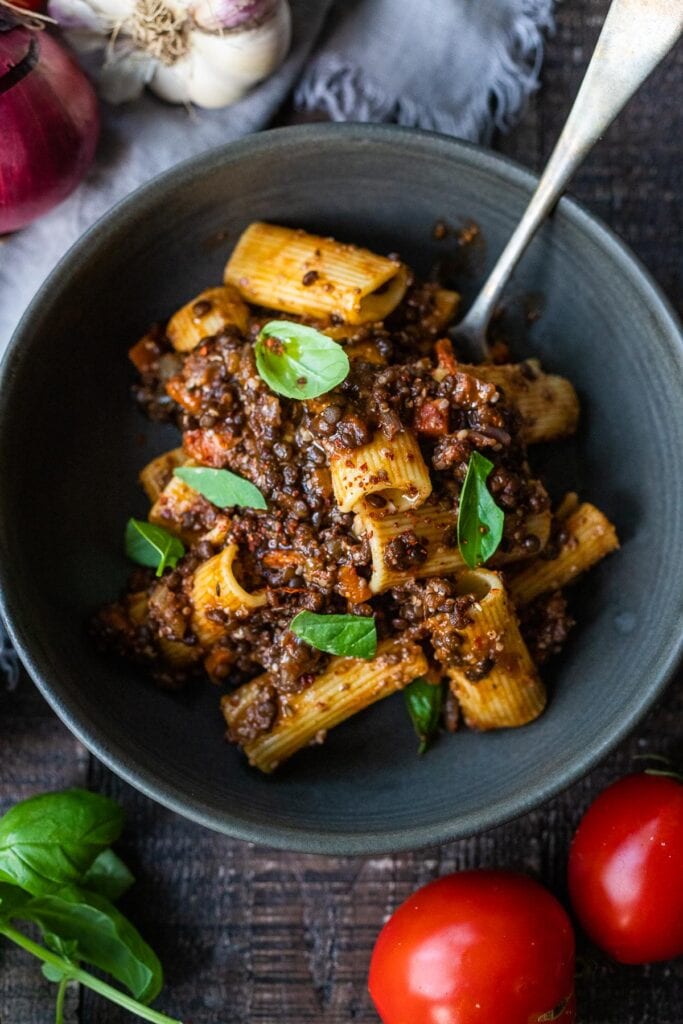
[12,898]
[66,948]
[354,636]
[221,487]
[52,839]
[480,521]
[108,876]
[298,361]
[424,701]
[99,934]
[151,545]
[52,973]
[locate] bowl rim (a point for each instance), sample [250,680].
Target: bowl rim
[112,754]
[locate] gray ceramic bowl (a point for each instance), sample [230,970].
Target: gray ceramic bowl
[71,443]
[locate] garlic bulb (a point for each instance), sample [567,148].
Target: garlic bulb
[208,52]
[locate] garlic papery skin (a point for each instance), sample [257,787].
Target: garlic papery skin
[225,15]
[218,69]
[161,44]
[96,16]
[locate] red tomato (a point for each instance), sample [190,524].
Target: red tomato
[490,947]
[626,869]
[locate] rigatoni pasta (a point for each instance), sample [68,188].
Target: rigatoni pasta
[586,536]
[291,270]
[392,468]
[356,512]
[446,305]
[346,686]
[548,404]
[215,588]
[433,529]
[208,313]
[495,681]
[176,509]
[175,655]
[157,474]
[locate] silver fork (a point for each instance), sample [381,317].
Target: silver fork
[636,35]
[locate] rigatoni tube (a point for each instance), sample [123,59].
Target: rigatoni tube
[435,530]
[176,509]
[547,404]
[157,473]
[393,469]
[207,314]
[496,683]
[290,270]
[345,687]
[216,588]
[175,653]
[586,536]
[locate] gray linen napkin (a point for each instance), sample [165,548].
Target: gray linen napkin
[461,67]
[456,66]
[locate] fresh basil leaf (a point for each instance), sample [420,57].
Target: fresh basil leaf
[480,521]
[52,973]
[52,839]
[66,948]
[99,934]
[221,487]
[148,544]
[108,876]
[298,361]
[12,898]
[354,636]
[424,701]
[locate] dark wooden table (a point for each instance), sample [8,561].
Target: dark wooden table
[252,936]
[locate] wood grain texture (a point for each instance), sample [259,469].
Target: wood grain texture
[257,937]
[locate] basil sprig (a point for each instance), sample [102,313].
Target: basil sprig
[58,872]
[108,875]
[221,487]
[424,702]
[51,840]
[353,636]
[298,361]
[480,521]
[151,545]
[100,935]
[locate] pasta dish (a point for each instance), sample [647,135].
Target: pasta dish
[350,511]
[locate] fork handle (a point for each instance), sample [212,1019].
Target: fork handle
[635,36]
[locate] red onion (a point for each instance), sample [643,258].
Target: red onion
[49,123]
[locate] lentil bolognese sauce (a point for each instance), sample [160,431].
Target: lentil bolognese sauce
[351,511]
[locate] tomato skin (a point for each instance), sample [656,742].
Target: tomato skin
[477,947]
[626,869]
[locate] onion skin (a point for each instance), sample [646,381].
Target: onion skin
[50,125]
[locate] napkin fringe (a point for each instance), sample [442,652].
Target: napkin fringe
[346,93]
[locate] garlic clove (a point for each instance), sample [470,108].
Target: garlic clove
[90,15]
[219,69]
[249,55]
[191,80]
[226,15]
[172,82]
[124,77]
